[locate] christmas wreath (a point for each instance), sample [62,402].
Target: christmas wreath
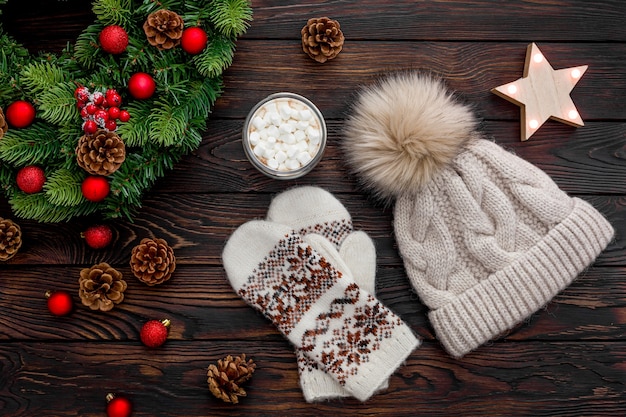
[89,130]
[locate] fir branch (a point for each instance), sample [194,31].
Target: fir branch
[216,57]
[86,49]
[167,123]
[33,145]
[58,104]
[63,187]
[231,17]
[113,12]
[135,131]
[39,77]
[37,207]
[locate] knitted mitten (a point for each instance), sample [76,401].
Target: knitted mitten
[310,209]
[303,286]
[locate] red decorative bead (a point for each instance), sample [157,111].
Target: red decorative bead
[141,85]
[113,39]
[154,332]
[95,188]
[98,236]
[90,127]
[31,179]
[91,108]
[20,114]
[124,116]
[60,303]
[194,40]
[118,406]
[110,125]
[114,112]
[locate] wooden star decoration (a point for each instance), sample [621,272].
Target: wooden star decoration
[543,93]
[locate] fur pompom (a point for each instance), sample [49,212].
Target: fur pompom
[404,129]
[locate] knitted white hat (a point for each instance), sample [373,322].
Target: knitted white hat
[487,238]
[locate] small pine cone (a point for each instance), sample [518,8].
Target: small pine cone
[322,39]
[226,377]
[153,261]
[164,28]
[101,287]
[10,239]
[3,124]
[101,153]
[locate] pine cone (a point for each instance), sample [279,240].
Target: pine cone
[3,124]
[10,239]
[101,287]
[101,153]
[226,377]
[322,39]
[152,261]
[164,28]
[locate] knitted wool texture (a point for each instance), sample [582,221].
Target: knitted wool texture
[487,238]
[308,210]
[302,285]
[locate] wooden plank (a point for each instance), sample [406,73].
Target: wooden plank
[447,20]
[201,305]
[470,68]
[538,379]
[591,163]
[197,226]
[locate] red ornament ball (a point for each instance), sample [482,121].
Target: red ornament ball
[20,114]
[118,406]
[95,188]
[113,39]
[141,85]
[194,40]
[59,302]
[31,179]
[124,116]
[98,236]
[154,333]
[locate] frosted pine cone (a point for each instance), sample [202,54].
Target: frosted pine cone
[164,28]
[322,39]
[101,153]
[101,287]
[225,378]
[153,261]
[10,239]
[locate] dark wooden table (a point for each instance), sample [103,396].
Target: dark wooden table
[568,359]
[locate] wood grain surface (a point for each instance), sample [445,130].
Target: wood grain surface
[568,359]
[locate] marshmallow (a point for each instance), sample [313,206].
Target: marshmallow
[284,135]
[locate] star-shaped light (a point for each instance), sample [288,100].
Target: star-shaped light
[543,93]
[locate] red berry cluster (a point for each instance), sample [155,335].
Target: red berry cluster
[100,109]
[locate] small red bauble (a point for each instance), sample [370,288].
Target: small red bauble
[90,127]
[113,39]
[95,188]
[118,406]
[20,114]
[194,40]
[31,179]
[98,236]
[124,116]
[154,332]
[141,85]
[114,112]
[59,302]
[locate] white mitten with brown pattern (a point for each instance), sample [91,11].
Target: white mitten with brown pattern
[303,286]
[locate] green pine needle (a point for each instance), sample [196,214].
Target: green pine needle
[231,17]
[62,187]
[33,145]
[113,12]
[216,57]
[58,105]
